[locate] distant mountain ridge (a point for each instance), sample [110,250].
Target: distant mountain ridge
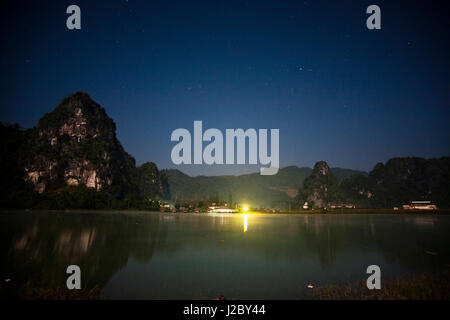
[399,181]
[253,188]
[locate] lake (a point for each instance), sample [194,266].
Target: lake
[151,255]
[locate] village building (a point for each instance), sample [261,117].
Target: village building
[420,205]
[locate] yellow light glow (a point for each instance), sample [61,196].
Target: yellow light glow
[245,222]
[245,208]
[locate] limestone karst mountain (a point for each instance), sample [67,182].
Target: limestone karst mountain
[75,145]
[321,188]
[401,180]
[74,159]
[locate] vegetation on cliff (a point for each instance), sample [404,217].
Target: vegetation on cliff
[72,159]
[401,180]
[151,182]
[13,189]
[398,182]
[321,187]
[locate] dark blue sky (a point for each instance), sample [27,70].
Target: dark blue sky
[337,91]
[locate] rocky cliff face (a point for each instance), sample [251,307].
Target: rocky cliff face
[76,145]
[152,182]
[400,181]
[320,188]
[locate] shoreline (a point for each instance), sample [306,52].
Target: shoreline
[297,212]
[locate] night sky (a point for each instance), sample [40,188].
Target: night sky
[337,91]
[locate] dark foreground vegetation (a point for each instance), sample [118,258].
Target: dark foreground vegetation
[58,293]
[434,286]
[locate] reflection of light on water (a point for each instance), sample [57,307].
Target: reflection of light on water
[245,222]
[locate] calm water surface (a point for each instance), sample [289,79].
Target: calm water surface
[203,256]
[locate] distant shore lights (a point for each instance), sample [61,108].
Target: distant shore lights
[213,153]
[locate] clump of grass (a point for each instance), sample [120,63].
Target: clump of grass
[423,287]
[59,293]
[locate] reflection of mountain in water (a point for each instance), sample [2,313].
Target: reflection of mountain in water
[37,248]
[402,240]
[328,238]
[40,247]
